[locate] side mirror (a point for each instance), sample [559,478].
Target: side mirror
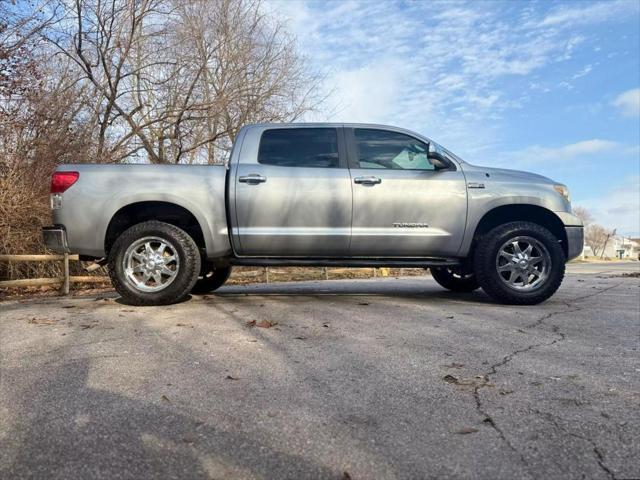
[438,161]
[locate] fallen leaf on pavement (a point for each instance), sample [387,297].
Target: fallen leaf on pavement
[41,321]
[466,381]
[450,379]
[86,326]
[189,438]
[266,324]
[466,430]
[183,325]
[165,398]
[455,365]
[229,377]
[325,325]
[251,323]
[299,338]
[450,316]
[346,476]
[504,391]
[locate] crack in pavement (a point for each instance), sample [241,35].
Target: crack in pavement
[493,369]
[487,418]
[598,454]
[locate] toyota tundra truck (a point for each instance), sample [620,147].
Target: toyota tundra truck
[348,195]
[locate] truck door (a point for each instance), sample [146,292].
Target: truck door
[292,193]
[402,205]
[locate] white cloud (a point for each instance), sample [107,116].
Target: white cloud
[582,14]
[368,92]
[628,102]
[617,208]
[435,67]
[585,147]
[536,155]
[585,71]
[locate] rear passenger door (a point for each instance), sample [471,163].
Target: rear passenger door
[292,193]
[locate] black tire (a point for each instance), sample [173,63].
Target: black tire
[211,278]
[453,279]
[186,264]
[495,283]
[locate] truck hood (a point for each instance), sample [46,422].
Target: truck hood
[504,173]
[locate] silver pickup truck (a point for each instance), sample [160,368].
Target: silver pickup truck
[317,195]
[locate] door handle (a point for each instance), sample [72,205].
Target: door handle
[367,180]
[252,179]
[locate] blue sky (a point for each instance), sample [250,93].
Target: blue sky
[551,87]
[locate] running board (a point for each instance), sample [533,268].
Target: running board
[346,262]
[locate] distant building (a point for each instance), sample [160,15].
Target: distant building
[617,247]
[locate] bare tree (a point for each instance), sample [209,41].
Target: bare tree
[117,80]
[596,237]
[41,125]
[584,215]
[175,80]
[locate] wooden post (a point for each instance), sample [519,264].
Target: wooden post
[266,274]
[65,284]
[326,273]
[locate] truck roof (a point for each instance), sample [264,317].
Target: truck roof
[336,125]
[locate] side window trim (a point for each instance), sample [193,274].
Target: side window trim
[343,146]
[340,139]
[352,152]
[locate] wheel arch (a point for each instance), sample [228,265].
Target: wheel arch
[163,211]
[520,212]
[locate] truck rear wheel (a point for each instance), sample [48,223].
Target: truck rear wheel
[154,263]
[211,278]
[519,263]
[454,279]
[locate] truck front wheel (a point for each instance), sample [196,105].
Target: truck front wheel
[154,263]
[211,278]
[454,279]
[519,263]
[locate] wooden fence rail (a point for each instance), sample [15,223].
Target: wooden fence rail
[63,281]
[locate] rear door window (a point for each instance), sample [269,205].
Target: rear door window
[299,147]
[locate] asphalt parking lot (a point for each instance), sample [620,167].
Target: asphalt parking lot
[352,379]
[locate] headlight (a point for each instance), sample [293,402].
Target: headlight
[564,191]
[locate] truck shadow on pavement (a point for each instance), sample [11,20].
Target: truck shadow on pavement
[419,291]
[67,429]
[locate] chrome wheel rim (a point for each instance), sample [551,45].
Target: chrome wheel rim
[151,264]
[523,263]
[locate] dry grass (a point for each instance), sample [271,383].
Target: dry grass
[244,275]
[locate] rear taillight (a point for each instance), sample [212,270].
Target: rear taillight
[61,181]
